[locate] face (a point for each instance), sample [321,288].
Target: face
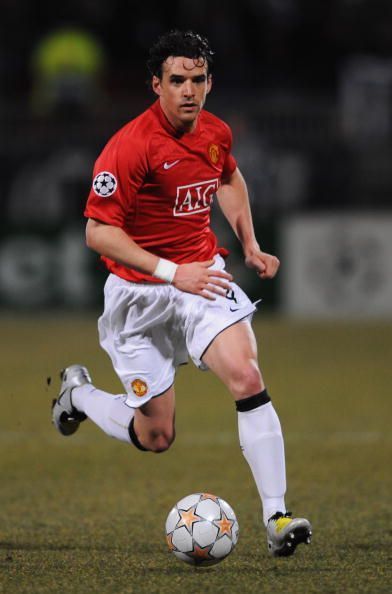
[182,90]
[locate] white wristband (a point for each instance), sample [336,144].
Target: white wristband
[165,270]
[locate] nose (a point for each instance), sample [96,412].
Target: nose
[188,89]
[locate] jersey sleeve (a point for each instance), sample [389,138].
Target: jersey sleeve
[230,164]
[118,174]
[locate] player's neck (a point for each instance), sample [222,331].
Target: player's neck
[178,125]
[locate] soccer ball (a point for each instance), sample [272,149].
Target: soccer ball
[201,529]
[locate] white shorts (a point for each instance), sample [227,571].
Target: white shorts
[149,330]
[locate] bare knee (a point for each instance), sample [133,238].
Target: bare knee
[245,380]
[160,440]
[154,423]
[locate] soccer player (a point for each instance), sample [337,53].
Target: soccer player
[168,294]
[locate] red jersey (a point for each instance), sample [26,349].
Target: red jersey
[158,185]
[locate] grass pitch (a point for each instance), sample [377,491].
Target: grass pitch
[87,513]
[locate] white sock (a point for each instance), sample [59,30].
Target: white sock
[262,445]
[108,411]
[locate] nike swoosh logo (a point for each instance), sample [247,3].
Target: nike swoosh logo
[170,165]
[235,309]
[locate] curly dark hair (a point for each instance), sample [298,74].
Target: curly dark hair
[179,43]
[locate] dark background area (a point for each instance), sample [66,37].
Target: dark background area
[305,84]
[296,44]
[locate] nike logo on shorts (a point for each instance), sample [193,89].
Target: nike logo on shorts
[167,165]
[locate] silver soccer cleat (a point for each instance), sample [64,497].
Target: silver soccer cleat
[284,533]
[65,417]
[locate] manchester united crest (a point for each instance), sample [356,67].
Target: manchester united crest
[213,151]
[139,387]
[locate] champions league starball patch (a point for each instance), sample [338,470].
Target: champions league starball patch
[104,184]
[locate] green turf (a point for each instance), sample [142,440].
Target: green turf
[86,513]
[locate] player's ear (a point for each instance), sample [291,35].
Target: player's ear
[156,85]
[209,83]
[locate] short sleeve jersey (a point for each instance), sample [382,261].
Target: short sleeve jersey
[158,186]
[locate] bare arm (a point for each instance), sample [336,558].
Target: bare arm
[234,202]
[115,244]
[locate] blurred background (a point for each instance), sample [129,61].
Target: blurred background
[306,86]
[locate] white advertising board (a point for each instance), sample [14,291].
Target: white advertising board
[337,265]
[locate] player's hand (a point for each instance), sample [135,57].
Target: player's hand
[266,265]
[198,279]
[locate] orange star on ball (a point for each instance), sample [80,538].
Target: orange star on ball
[169,538]
[188,517]
[225,525]
[209,496]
